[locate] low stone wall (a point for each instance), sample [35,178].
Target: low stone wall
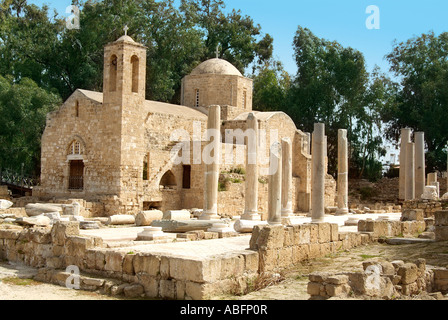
[381,279]
[386,228]
[284,246]
[441,225]
[429,207]
[161,276]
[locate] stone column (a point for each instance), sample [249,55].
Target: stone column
[342,183]
[212,156]
[318,174]
[419,138]
[286,178]
[405,138]
[275,184]
[251,184]
[410,172]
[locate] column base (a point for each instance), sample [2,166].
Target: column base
[341,212]
[252,216]
[209,216]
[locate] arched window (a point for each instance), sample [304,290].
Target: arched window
[113,73]
[168,181]
[135,72]
[75,148]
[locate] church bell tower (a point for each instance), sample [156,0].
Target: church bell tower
[124,71]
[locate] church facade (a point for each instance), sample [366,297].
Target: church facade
[116,148]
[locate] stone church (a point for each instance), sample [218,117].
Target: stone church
[113,147]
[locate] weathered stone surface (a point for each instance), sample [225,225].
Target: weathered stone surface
[183,226]
[412,214]
[121,219]
[61,230]
[133,291]
[34,221]
[441,218]
[178,215]
[145,218]
[408,273]
[5,204]
[35,209]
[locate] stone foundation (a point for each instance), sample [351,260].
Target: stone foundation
[381,280]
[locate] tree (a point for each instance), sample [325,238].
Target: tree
[332,86]
[421,65]
[236,35]
[271,85]
[23,110]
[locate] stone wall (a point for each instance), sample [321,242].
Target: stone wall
[382,280]
[429,207]
[54,249]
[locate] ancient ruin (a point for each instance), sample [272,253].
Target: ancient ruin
[192,201]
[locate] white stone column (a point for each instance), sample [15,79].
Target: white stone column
[342,183]
[419,138]
[275,184]
[318,173]
[405,139]
[287,210]
[251,184]
[211,157]
[410,172]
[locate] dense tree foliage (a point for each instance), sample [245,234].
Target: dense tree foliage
[421,65]
[42,62]
[23,110]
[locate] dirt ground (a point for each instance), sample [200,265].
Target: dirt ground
[16,281]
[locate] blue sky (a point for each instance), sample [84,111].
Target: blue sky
[343,21]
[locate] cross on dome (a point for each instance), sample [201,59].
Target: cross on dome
[126,28]
[217,51]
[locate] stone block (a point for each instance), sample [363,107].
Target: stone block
[300,253]
[324,232]
[114,261]
[314,288]
[270,237]
[441,233]
[145,218]
[408,273]
[412,214]
[61,230]
[336,290]
[150,284]
[337,279]
[177,215]
[40,235]
[231,265]
[314,232]
[334,232]
[302,234]
[441,218]
[314,250]
[288,239]
[197,270]
[147,263]
[134,290]
[128,264]
[167,289]
[78,245]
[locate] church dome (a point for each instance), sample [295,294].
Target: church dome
[125,38]
[216,66]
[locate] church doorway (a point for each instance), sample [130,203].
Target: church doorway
[76,178]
